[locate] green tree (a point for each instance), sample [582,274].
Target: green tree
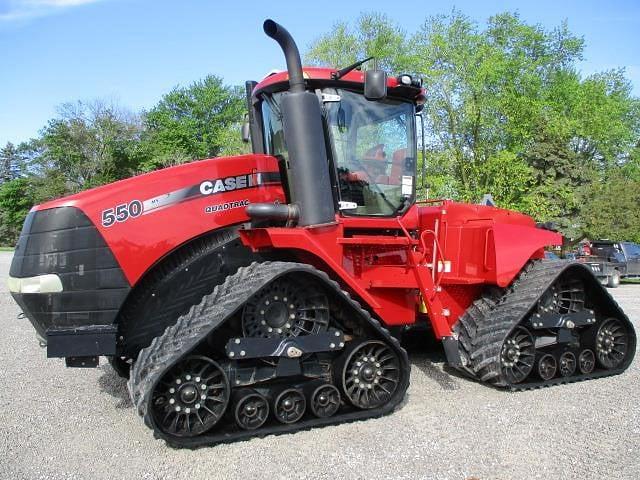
[199,121]
[612,209]
[45,179]
[507,111]
[10,163]
[373,35]
[560,178]
[631,168]
[484,87]
[88,144]
[509,179]
[15,202]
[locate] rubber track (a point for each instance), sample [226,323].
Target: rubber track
[143,318]
[487,323]
[202,319]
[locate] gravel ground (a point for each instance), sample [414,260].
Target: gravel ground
[79,424]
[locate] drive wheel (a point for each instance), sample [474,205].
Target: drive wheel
[547,367]
[612,343]
[564,296]
[286,308]
[371,374]
[191,398]
[517,355]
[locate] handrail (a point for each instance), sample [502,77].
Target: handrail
[406,232]
[432,200]
[423,244]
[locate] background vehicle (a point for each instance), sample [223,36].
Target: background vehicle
[266,293]
[612,261]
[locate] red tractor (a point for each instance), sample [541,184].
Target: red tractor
[267,293]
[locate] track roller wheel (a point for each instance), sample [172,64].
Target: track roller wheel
[191,398]
[567,364]
[289,406]
[547,367]
[370,374]
[252,410]
[586,361]
[612,343]
[517,355]
[325,401]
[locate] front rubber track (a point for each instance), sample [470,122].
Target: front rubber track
[175,285]
[196,325]
[486,324]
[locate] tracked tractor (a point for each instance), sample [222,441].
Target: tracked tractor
[268,292]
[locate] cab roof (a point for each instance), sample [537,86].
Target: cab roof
[322,75]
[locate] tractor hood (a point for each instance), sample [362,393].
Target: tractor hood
[143,218]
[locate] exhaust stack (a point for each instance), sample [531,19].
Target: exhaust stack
[310,181]
[291,53]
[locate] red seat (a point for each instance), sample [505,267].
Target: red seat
[397,167]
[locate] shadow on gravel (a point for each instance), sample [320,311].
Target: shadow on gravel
[115,386]
[443,375]
[427,354]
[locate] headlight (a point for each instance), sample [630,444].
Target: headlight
[49,283]
[405,79]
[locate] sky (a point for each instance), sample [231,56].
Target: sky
[133,51]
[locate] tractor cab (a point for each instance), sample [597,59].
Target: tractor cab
[370,142]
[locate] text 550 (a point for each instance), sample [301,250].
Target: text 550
[121,213]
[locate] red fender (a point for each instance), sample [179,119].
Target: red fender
[509,247]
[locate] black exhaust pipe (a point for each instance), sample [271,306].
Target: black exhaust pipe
[291,53]
[304,135]
[273,211]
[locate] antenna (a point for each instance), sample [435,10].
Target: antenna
[342,72]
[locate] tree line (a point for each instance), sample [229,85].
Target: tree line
[507,112]
[93,143]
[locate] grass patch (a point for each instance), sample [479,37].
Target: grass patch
[631,280]
[6,249]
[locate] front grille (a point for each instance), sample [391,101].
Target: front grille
[63,241]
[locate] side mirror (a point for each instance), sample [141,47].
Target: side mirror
[245,131]
[375,84]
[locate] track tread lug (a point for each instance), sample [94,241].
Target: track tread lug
[485,325]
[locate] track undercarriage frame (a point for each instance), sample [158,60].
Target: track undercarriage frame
[351,369]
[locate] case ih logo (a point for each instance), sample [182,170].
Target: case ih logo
[209,187]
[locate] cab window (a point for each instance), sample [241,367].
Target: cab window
[373,146]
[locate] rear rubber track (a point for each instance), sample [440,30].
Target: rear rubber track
[201,320]
[487,323]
